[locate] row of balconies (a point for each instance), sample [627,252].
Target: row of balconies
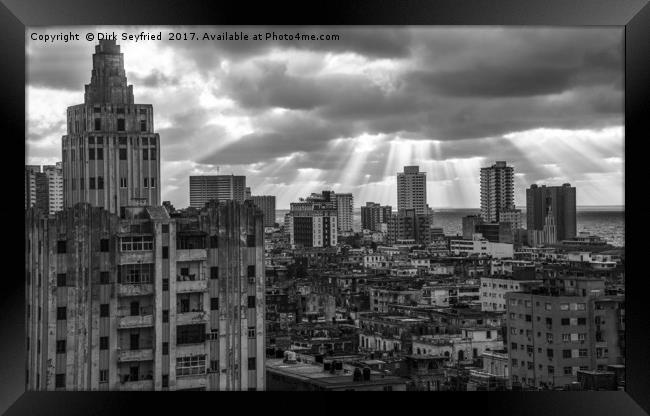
[143,321]
[145,289]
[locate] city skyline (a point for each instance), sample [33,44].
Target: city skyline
[347,115]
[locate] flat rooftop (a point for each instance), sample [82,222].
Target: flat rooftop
[315,374]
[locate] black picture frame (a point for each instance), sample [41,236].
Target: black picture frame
[16,15]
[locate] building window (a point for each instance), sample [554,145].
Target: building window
[103,376]
[145,154]
[165,228]
[251,301]
[251,332]
[582,321]
[250,240]
[60,346]
[190,334]
[144,243]
[123,182]
[100,154]
[59,380]
[214,365]
[146,182]
[165,348]
[122,140]
[61,246]
[61,313]
[529,318]
[152,153]
[103,343]
[551,369]
[61,279]
[252,362]
[564,321]
[91,153]
[103,310]
[122,154]
[566,337]
[121,125]
[513,346]
[566,353]
[152,182]
[100,182]
[98,124]
[165,284]
[214,242]
[564,306]
[214,304]
[214,272]
[143,125]
[104,278]
[251,271]
[91,183]
[165,380]
[165,316]
[103,245]
[186,366]
[568,371]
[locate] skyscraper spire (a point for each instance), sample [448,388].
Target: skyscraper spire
[108,82]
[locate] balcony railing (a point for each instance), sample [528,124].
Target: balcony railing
[127,355]
[136,321]
[135,289]
[192,254]
[195,317]
[142,384]
[189,285]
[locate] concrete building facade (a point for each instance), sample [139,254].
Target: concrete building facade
[558,200]
[344,209]
[497,191]
[54,175]
[374,214]
[111,154]
[221,187]
[145,302]
[267,204]
[412,190]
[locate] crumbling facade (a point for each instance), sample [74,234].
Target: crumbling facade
[147,302]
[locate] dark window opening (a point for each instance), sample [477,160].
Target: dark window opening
[152,154]
[61,279]
[214,304]
[250,240]
[214,242]
[60,346]
[59,381]
[165,316]
[61,246]
[251,301]
[190,334]
[103,343]
[91,154]
[143,125]
[165,348]
[61,313]
[214,272]
[145,154]
[165,380]
[91,183]
[100,182]
[252,363]
[165,228]
[165,284]
[100,154]
[251,271]
[103,245]
[98,124]
[121,125]
[103,310]
[122,154]
[165,252]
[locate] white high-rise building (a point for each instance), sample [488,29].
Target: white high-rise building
[412,190]
[222,187]
[497,191]
[54,175]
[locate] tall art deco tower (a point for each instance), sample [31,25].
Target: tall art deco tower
[111,155]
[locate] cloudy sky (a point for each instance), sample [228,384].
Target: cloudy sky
[298,117]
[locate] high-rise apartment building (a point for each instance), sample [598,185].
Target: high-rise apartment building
[565,326]
[145,302]
[344,209]
[54,175]
[412,190]
[111,155]
[497,191]
[267,204]
[408,227]
[222,187]
[374,214]
[36,188]
[560,201]
[312,224]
